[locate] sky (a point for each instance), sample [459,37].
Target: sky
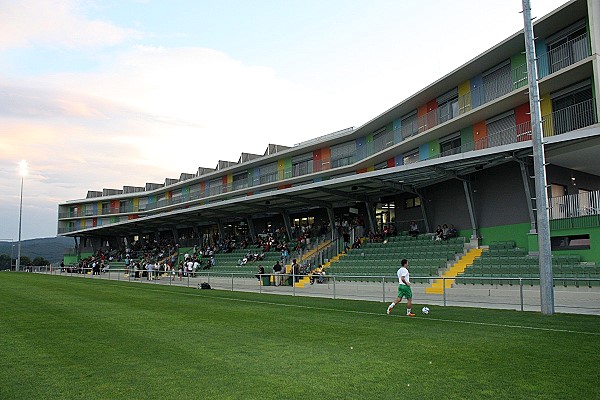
[104,94]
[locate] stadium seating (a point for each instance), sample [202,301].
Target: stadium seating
[373,260]
[505,260]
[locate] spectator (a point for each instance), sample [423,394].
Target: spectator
[452,232]
[445,232]
[277,273]
[261,271]
[438,234]
[413,229]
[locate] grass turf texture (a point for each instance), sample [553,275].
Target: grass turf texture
[92,339]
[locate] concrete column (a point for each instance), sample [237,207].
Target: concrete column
[288,224]
[471,206]
[331,216]
[371,216]
[251,229]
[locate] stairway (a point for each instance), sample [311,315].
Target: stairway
[458,268]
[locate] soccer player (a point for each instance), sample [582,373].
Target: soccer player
[404,289]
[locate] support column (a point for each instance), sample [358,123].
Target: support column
[371,216]
[471,206]
[331,216]
[251,229]
[527,186]
[221,230]
[287,223]
[424,213]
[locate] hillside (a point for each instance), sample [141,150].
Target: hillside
[52,249]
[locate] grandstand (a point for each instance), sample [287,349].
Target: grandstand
[504,260]
[458,151]
[427,257]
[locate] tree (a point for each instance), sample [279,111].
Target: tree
[5,261]
[40,261]
[25,261]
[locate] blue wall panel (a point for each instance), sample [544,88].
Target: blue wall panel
[424,152]
[476,91]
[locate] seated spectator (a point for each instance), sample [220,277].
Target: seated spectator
[438,234]
[356,244]
[452,232]
[261,271]
[413,229]
[445,232]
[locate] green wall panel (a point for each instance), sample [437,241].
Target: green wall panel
[466,135]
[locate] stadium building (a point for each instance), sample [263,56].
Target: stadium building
[458,151]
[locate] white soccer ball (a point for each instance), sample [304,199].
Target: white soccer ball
[425,310]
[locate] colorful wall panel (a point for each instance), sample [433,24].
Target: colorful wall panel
[361,148]
[399,160]
[287,168]
[480,135]
[476,91]
[464,97]
[434,148]
[280,169]
[369,141]
[421,113]
[397,129]
[326,158]
[317,161]
[518,66]
[523,121]
[546,111]
[466,136]
[431,114]
[424,152]
[541,54]
[391,163]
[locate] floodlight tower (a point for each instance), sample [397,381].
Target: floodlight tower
[23,174]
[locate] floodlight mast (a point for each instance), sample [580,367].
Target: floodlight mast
[22,173]
[539,165]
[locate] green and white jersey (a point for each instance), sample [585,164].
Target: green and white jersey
[403,272]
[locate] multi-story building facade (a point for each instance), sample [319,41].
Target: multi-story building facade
[458,151]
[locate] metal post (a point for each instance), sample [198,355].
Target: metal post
[444,290]
[334,287]
[383,285]
[543,223]
[521,291]
[232,282]
[18,264]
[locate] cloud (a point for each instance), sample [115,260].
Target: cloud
[56,24]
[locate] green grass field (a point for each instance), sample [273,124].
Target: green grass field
[70,338]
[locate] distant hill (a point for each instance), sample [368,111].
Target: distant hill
[52,249]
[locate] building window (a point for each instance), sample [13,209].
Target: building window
[382,139]
[450,144]
[501,129]
[411,157]
[412,203]
[268,173]
[240,181]
[447,106]
[343,154]
[572,108]
[497,81]
[302,164]
[409,125]
[567,46]
[572,242]
[215,186]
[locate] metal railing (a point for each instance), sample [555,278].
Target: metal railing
[572,294]
[563,56]
[575,205]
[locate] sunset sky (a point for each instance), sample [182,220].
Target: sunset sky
[102,94]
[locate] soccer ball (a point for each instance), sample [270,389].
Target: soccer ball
[425,310]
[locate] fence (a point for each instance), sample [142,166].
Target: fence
[514,293]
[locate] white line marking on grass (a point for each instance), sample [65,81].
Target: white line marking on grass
[383,314]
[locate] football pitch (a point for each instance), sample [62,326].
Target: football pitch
[70,338]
